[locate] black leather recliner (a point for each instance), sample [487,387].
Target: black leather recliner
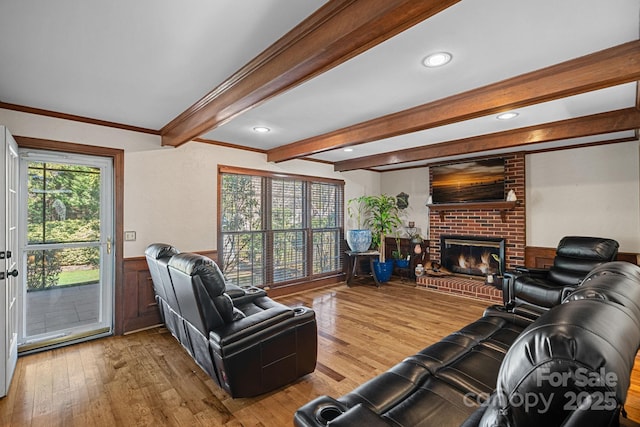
[248,344]
[531,291]
[158,256]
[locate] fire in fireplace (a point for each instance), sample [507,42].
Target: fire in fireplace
[472,255]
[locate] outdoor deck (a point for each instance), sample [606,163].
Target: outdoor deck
[61,308]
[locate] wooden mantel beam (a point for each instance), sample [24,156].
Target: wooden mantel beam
[613,121]
[338,31]
[606,68]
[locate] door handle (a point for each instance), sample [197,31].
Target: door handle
[108,245]
[13,273]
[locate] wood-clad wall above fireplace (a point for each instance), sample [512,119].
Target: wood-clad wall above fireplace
[487,220]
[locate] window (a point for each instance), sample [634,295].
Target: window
[276,230]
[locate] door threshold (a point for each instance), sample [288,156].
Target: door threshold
[60,341]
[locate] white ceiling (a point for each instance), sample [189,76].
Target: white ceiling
[144,62]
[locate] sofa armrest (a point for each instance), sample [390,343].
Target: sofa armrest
[532,271]
[359,415]
[507,290]
[250,326]
[319,412]
[532,286]
[326,410]
[508,293]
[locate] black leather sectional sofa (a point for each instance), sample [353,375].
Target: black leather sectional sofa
[570,366]
[248,343]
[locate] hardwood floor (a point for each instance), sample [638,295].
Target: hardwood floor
[147,379]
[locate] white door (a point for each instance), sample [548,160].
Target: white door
[66,243]
[8,258]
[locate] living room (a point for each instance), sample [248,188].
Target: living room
[564,183]
[587,184]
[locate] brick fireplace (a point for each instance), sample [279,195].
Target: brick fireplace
[487,222]
[478,220]
[472,255]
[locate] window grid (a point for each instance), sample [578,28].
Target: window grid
[326,251]
[304,233]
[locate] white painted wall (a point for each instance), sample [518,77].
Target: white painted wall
[592,191]
[414,182]
[170,193]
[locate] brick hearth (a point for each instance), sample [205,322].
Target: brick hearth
[472,288]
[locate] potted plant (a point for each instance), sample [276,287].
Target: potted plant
[383,217]
[401,259]
[358,239]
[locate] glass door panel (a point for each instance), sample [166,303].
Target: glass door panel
[63,289]
[67,253]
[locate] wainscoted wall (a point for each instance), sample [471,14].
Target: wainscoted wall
[488,222]
[543,257]
[140,309]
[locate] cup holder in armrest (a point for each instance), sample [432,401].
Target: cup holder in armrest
[297,311]
[327,413]
[252,290]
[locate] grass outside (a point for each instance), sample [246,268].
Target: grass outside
[69,278]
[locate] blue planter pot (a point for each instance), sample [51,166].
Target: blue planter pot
[383,270]
[402,263]
[359,240]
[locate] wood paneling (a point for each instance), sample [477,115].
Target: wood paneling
[610,67]
[139,307]
[536,257]
[541,257]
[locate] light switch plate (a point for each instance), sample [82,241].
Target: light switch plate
[129,236]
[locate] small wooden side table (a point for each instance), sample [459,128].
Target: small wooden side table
[354,267]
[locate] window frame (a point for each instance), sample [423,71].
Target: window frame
[268,230]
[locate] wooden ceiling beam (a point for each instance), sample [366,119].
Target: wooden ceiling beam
[596,124]
[336,32]
[609,67]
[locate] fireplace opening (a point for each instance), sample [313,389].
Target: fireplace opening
[472,255]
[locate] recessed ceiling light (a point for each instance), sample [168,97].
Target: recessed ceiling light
[437,59]
[507,116]
[261,129]
[348,149]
